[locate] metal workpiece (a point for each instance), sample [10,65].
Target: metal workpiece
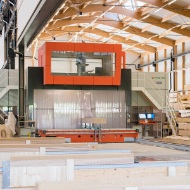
[6,174]
[133,165]
[86,152]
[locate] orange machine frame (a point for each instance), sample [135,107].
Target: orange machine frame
[88,135]
[44,60]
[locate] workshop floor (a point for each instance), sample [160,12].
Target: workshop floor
[145,153]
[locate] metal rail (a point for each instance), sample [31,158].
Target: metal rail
[165,145]
[135,165]
[86,152]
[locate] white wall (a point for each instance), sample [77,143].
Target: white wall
[132,59]
[25,9]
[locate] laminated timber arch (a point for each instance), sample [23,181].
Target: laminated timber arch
[100,33]
[84,17]
[128,13]
[114,24]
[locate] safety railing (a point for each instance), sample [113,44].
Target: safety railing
[8,81]
[171,116]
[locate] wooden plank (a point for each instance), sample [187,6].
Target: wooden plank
[29,176]
[80,159]
[183,119]
[26,171]
[127,172]
[94,120]
[187,87]
[41,140]
[120,184]
[185,102]
[177,140]
[184,126]
[184,133]
[184,97]
[69,146]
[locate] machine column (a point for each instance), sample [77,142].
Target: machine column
[21,83]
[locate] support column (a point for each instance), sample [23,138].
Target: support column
[175,68]
[165,62]
[156,58]
[21,83]
[183,66]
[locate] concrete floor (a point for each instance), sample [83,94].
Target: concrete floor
[145,153]
[148,153]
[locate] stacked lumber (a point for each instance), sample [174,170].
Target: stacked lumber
[187,87]
[184,119]
[28,170]
[177,140]
[185,98]
[184,129]
[9,150]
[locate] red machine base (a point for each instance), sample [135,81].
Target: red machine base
[89,135]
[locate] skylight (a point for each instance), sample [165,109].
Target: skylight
[132,5]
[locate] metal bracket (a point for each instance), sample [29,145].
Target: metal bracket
[6,175]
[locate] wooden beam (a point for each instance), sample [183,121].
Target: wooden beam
[165,62]
[183,66]
[185,25]
[145,53]
[173,8]
[157,57]
[132,52]
[145,10]
[112,23]
[129,37]
[142,62]
[162,47]
[129,13]
[181,40]
[105,35]
[168,17]
[175,68]
[149,62]
[146,28]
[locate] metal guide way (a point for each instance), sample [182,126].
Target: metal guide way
[135,165]
[86,152]
[162,144]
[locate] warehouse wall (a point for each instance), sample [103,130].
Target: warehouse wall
[25,14]
[155,83]
[178,75]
